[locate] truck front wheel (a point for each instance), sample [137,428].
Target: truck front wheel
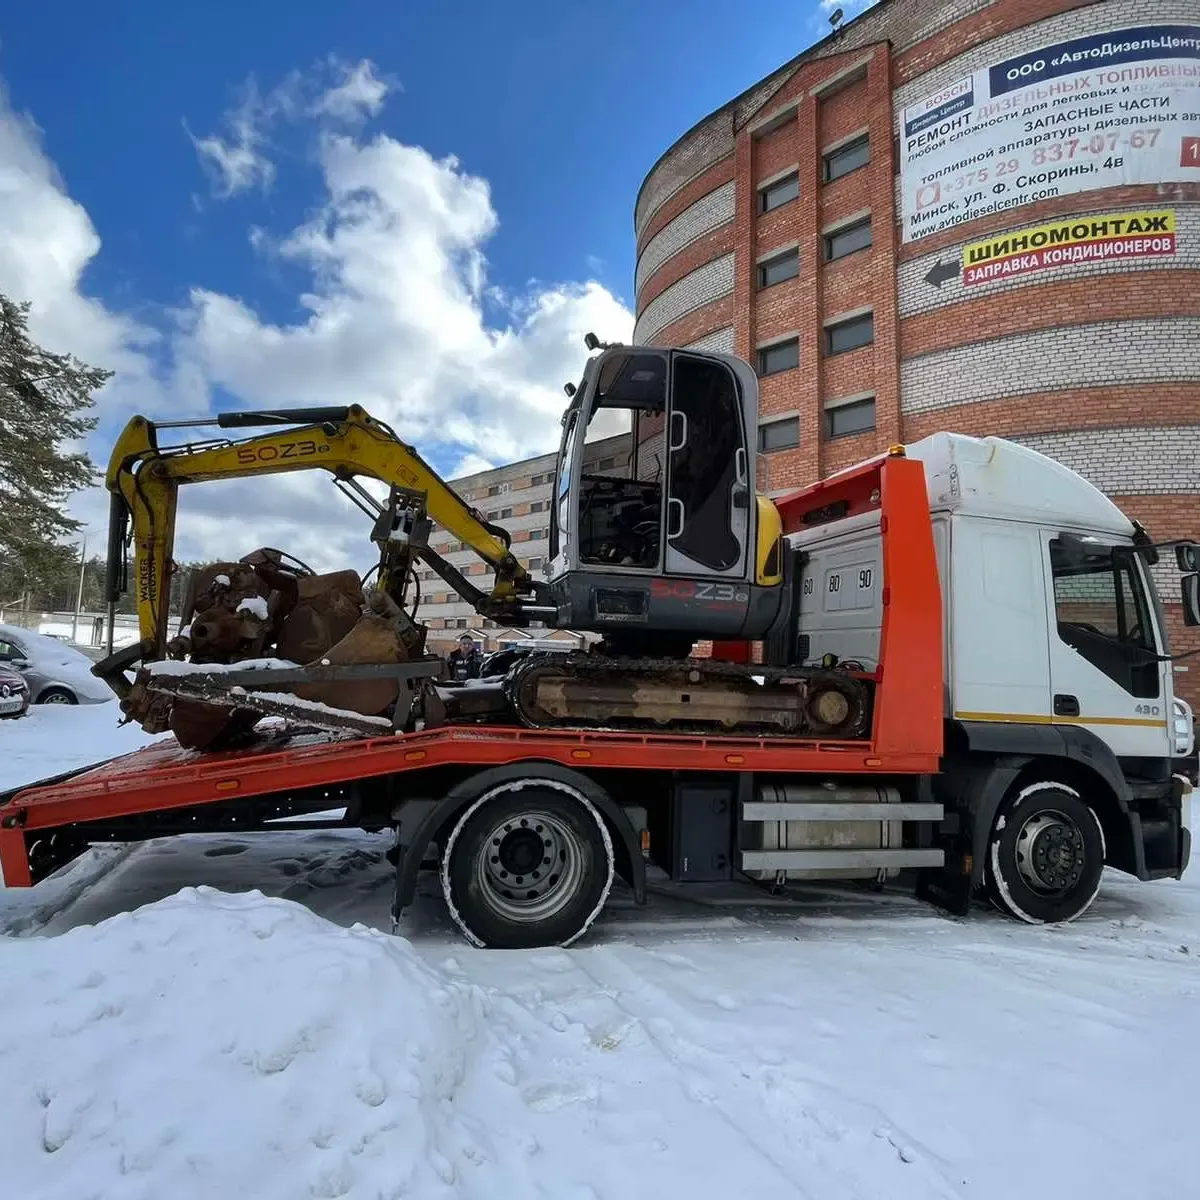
[1045,855]
[528,864]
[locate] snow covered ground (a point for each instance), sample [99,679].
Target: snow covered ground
[214,1015]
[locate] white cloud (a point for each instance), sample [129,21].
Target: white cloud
[334,93]
[47,241]
[360,94]
[238,161]
[395,312]
[393,317]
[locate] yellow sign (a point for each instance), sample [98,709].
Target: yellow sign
[1145,234]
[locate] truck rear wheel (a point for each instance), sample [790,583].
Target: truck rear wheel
[528,864]
[1045,855]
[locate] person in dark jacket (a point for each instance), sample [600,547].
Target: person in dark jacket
[463,663]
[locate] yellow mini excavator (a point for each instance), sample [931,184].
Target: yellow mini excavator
[670,546]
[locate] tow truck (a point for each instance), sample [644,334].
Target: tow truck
[997,610]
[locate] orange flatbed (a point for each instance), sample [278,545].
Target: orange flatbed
[906,736]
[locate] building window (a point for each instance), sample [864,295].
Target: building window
[780,268]
[534,563]
[779,193]
[505,513]
[848,419]
[850,335]
[783,356]
[848,239]
[847,158]
[538,506]
[538,480]
[779,435]
[500,489]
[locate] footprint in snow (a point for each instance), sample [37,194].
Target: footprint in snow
[226,851]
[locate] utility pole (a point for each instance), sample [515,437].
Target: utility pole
[79,594]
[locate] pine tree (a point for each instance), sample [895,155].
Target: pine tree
[44,399]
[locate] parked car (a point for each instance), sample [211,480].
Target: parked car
[14,693]
[54,672]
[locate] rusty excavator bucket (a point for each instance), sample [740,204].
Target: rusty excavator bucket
[259,609]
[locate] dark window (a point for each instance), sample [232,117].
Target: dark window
[1103,613]
[779,435]
[702,471]
[534,563]
[776,270]
[505,512]
[492,514]
[538,506]
[848,239]
[607,464]
[538,480]
[858,417]
[847,158]
[850,335]
[779,193]
[783,356]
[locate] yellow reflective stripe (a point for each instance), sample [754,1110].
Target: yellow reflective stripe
[1037,719]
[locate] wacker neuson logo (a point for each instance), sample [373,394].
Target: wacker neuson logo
[1073,240]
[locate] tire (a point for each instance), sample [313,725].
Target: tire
[58,695]
[495,843]
[1045,855]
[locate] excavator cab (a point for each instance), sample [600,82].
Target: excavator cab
[667,536]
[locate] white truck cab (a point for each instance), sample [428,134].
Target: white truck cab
[1056,657]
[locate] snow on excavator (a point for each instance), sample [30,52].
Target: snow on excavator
[670,547]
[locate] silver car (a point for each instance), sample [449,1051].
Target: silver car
[56,672]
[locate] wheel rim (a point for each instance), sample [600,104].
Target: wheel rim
[1050,853]
[57,698]
[529,867]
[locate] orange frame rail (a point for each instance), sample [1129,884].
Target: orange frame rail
[906,737]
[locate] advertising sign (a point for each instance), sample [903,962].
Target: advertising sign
[1100,111]
[1149,234]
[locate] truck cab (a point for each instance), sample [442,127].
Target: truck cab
[1055,641]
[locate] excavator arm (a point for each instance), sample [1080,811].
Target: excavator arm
[144,482]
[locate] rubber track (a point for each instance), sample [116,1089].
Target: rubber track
[580,666]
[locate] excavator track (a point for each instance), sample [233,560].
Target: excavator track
[589,691]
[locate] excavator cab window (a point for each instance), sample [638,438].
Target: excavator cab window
[674,499]
[621,490]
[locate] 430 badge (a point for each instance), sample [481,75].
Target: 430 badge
[303,448]
[699,593]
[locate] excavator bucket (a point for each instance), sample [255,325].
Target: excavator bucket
[373,639]
[327,608]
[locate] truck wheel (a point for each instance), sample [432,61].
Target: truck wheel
[528,864]
[1045,855]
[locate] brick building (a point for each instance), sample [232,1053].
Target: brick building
[956,214]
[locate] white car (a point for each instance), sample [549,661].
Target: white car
[56,673]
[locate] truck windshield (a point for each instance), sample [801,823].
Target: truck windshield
[1104,612]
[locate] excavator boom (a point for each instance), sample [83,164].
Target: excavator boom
[144,480]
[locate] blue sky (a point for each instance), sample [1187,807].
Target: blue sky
[420,207]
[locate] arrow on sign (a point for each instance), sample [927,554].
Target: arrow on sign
[941,271]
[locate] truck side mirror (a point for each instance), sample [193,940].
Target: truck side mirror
[1191,599]
[1187,555]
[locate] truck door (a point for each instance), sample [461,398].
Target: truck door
[1105,644]
[708,505]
